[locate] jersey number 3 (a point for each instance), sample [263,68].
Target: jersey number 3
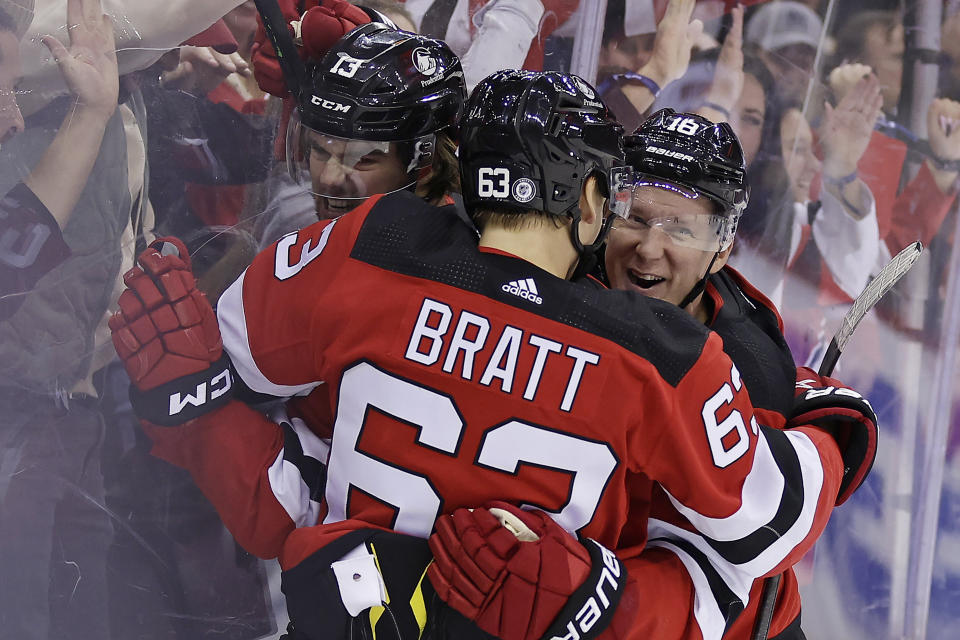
[504,448]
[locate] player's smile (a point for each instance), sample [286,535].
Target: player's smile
[644,281]
[340,206]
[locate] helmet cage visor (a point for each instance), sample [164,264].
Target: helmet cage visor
[348,168]
[690,229]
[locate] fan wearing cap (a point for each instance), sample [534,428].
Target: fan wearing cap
[789,34]
[689,191]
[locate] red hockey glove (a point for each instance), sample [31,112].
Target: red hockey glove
[266,65]
[321,25]
[167,336]
[519,576]
[834,407]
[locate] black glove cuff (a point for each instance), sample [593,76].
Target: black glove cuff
[185,398]
[825,397]
[850,420]
[590,608]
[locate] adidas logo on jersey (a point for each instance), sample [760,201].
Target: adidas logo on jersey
[526,289]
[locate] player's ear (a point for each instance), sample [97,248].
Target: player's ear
[592,202]
[721,260]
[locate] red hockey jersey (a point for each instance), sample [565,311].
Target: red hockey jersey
[453,376]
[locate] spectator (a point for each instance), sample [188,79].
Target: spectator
[839,226]
[35,210]
[211,138]
[875,38]
[630,92]
[789,34]
[917,212]
[143,32]
[55,533]
[492,34]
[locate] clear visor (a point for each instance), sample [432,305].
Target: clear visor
[352,170]
[679,216]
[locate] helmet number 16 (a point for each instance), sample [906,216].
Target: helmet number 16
[493,183]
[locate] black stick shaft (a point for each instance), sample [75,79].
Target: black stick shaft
[768,600]
[275,24]
[829,359]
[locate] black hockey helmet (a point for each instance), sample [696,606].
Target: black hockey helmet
[376,91]
[529,140]
[690,156]
[379,83]
[689,151]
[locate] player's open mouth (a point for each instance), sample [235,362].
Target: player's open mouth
[338,206]
[644,280]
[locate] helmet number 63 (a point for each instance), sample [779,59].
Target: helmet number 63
[493,182]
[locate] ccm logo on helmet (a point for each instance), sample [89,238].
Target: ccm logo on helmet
[668,153]
[329,104]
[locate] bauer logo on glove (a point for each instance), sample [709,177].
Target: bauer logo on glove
[518,575]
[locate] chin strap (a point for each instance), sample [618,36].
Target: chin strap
[588,253]
[701,284]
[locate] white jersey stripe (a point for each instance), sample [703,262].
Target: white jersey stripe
[287,483]
[810,464]
[766,475]
[233,329]
[706,610]
[737,580]
[763,488]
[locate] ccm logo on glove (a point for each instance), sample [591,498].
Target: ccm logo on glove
[219,385]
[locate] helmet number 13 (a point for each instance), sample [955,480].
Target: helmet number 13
[346,66]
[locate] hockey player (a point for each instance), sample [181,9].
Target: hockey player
[375,108]
[455,373]
[688,194]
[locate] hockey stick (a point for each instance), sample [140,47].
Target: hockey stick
[275,25]
[878,287]
[871,294]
